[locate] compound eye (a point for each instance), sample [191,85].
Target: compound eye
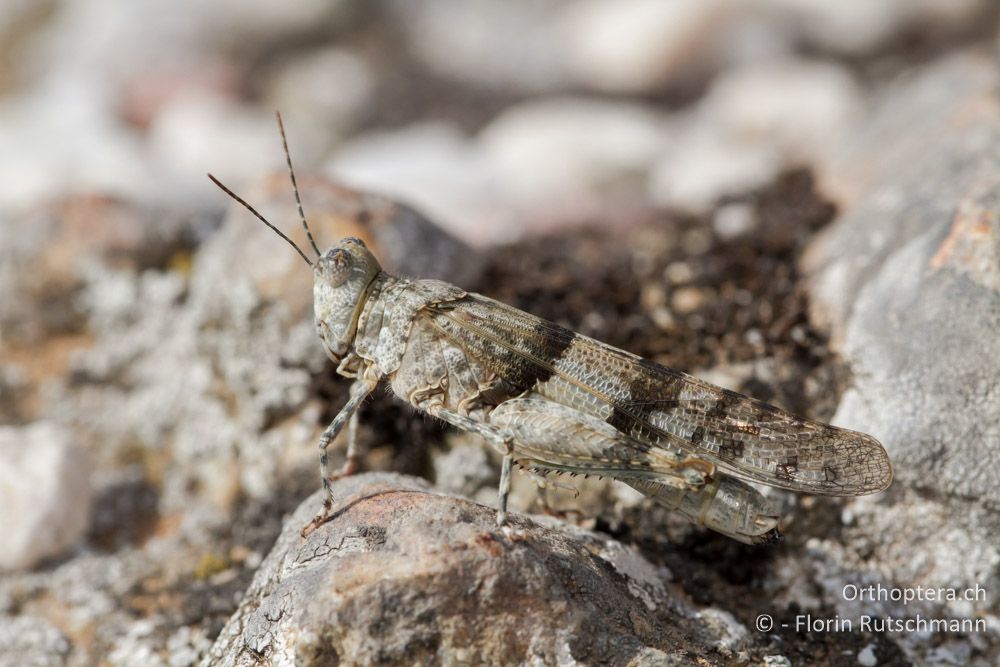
[337,266]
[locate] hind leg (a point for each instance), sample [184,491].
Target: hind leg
[556,437]
[500,439]
[543,485]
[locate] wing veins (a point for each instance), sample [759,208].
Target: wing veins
[755,473]
[680,442]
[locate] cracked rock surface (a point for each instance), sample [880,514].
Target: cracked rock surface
[403,574]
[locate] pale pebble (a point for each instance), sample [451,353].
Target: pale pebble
[45,493]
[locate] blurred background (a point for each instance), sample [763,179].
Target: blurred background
[491,116]
[713,184]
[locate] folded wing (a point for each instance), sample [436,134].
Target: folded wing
[660,407]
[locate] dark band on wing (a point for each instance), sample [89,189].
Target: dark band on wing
[523,376]
[645,398]
[724,403]
[515,375]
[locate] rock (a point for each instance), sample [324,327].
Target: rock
[492,44]
[731,221]
[28,641]
[908,280]
[918,253]
[405,241]
[237,314]
[60,138]
[44,494]
[63,132]
[646,45]
[204,131]
[803,108]
[186,646]
[704,166]
[755,121]
[403,574]
[14,389]
[176,346]
[866,656]
[46,253]
[567,149]
[857,27]
[147,39]
[326,93]
[643,46]
[465,469]
[434,167]
[689,299]
[733,635]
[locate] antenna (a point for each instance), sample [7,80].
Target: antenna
[260,217]
[295,187]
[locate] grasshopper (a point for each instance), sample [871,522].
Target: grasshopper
[553,401]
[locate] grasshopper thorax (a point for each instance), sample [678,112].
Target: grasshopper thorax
[341,278]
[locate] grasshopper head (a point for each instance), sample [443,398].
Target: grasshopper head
[341,278]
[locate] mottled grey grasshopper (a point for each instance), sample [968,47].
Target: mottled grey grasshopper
[552,401]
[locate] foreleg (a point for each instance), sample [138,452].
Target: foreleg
[347,415]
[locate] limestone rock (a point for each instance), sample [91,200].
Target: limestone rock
[755,121]
[490,44]
[571,148]
[28,641]
[908,281]
[645,45]
[44,494]
[431,164]
[857,27]
[402,574]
